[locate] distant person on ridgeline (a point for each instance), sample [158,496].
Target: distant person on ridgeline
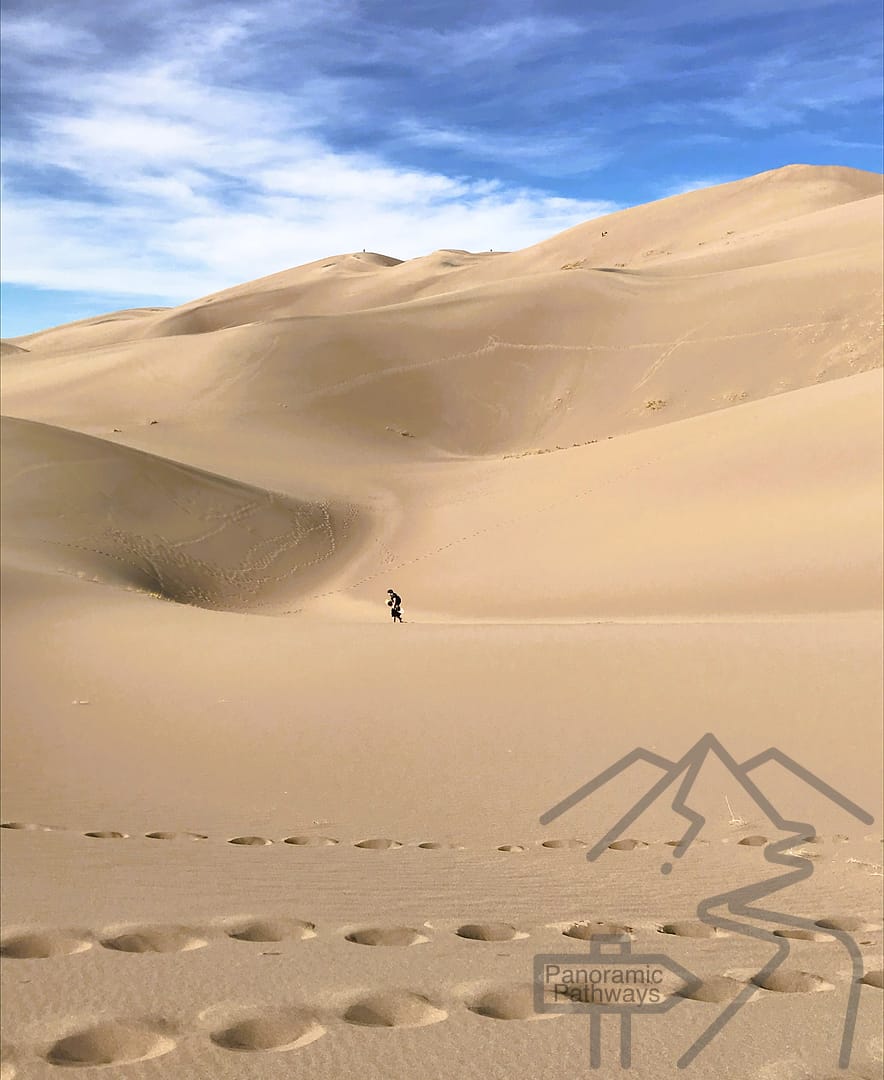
[395,605]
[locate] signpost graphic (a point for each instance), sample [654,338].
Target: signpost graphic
[609,979]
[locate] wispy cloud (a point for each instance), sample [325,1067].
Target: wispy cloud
[544,153]
[790,83]
[197,187]
[478,42]
[175,147]
[35,35]
[196,184]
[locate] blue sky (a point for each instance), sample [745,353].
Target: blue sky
[157,151]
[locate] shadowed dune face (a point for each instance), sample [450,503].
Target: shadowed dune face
[713,573]
[132,519]
[8,348]
[448,419]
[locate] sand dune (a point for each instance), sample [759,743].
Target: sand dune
[501,353]
[8,349]
[728,218]
[646,525]
[144,522]
[119,515]
[629,484]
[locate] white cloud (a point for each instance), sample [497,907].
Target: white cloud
[194,184]
[178,250]
[177,147]
[325,176]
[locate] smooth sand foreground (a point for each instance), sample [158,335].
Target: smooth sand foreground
[252,829]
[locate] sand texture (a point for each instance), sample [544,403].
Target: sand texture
[628,483]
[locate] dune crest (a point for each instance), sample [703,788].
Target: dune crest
[327,390]
[654,314]
[628,485]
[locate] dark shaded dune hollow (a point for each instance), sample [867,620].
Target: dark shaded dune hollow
[628,485]
[123,517]
[743,318]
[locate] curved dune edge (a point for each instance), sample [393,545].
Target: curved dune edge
[651,315]
[635,420]
[135,520]
[655,527]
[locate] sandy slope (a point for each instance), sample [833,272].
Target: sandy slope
[501,353]
[779,513]
[148,523]
[625,505]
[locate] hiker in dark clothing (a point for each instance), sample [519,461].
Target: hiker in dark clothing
[395,605]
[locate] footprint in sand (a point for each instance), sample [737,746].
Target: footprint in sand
[176,836]
[852,924]
[508,1003]
[753,841]
[512,847]
[435,845]
[154,939]
[791,982]
[271,930]
[394,1008]
[107,835]
[28,826]
[41,946]
[717,989]
[873,978]
[378,844]
[492,931]
[311,841]
[586,931]
[557,844]
[284,1029]
[627,845]
[691,928]
[394,935]
[803,935]
[112,1042]
[250,841]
